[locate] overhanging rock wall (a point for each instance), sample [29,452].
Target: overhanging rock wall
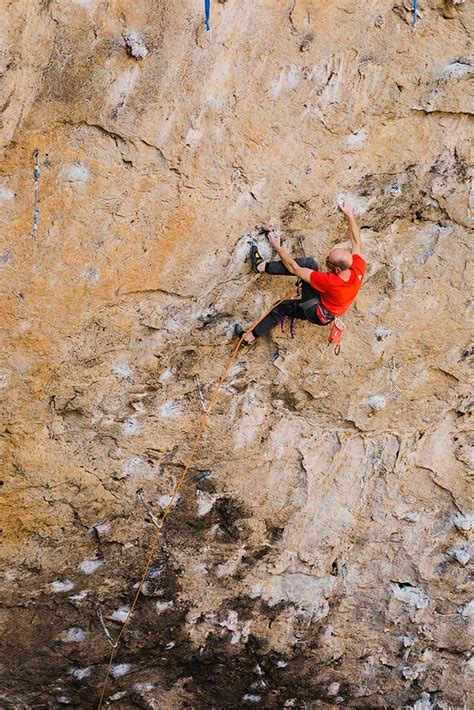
[318,553]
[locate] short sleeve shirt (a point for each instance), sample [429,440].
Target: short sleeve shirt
[336,294]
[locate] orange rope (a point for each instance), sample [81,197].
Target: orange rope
[179,485]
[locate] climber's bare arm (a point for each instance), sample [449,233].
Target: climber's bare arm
[353,227]
[288,261]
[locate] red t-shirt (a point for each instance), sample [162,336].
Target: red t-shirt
[337,294]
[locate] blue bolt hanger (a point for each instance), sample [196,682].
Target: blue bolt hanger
[207,10]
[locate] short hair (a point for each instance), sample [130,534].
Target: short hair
[342,262]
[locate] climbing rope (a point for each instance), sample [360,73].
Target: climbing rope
[36,178]
[159,525]
[207,11]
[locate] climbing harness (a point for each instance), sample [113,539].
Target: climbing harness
[181,481]
[36,177]
[336,334]
[207,11]
[315,305]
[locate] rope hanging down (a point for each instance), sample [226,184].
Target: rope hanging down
[36,212]
[159,527]
[207,11]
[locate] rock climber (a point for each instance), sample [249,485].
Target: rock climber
[324,294]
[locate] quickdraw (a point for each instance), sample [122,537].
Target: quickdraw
[207,12]
[36,178]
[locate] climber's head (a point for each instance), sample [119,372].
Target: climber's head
[339,260]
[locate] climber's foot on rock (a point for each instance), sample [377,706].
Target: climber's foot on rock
[258,262]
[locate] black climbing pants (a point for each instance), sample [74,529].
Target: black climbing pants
[292,307]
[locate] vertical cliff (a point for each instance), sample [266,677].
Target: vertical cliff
[318,553]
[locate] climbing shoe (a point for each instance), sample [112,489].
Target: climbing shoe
[255,257]
[239,331]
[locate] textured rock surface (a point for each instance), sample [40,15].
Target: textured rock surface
[318,555]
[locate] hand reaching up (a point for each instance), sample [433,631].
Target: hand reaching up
[347,208]
[274,240]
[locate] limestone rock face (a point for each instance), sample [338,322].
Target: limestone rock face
[318,552]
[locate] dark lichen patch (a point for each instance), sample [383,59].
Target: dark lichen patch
[225,521]
[292,400]
[272,611]
[218,674]
[153,633]
[221,675]
[274,532]
[203,480]
[229,516]
[243,605]
[405,196]
[252,557]
[296,215]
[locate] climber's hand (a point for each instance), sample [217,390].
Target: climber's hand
[347,208]
[274,240]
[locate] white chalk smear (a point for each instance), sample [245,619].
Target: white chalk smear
[120,614]
[377,402]
[124,370]
[100,528]
[62,585]
[164,501]
[5,194]
[77,172]
[90,566]
[75,634]
[169,410]
[79,597]
[456,70]
[205,502]
[464,523]
[144,687]
[356,139]
[163,606]
[120,669]
[80,673]
[135,44]
[130,427]
[4,378]
[413,596]
[91,274]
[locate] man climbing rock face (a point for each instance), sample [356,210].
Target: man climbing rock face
[324,295]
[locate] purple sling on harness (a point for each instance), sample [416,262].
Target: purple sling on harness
[292,325]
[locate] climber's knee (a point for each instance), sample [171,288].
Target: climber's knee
[308,262]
